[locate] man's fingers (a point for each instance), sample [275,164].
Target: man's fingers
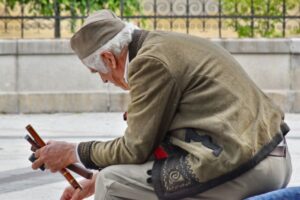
[37,153]
[77,195]
[53,170]
[67,195]
[37,163]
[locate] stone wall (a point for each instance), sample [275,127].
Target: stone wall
[45,76]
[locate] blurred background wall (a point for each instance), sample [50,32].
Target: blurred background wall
[39,72]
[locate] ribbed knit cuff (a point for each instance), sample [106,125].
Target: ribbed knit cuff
[84,151]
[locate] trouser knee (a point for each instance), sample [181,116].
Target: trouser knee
[104,181]
[105,176]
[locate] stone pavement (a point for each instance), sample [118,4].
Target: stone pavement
[19,181]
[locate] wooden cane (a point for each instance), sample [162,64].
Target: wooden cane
[63,171]
[73,167]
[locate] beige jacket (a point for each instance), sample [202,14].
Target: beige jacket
[181,85]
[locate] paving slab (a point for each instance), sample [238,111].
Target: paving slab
[51,191]
[64,125]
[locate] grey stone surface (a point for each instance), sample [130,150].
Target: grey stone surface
[112,88]
[218,41]
[62,46]
[63,102]
[8,102]
[295,45]
[43,192]
[25,178]
[94,101]
[8,47]
[257,45]
[270,72]
[44,46]
[48,67]
[118,101]
[295,71]
[61,125]
[296,102]
[7,73]
[56,73]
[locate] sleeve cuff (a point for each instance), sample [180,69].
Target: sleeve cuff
[77,155]
[84,154]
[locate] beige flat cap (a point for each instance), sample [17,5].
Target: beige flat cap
[98,29]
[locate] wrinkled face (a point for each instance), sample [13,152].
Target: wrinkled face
[116,67]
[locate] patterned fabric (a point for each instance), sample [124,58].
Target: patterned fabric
[174,178]
[175,174]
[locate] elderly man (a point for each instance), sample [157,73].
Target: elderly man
[198,127]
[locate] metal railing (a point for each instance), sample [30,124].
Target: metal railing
[210,18]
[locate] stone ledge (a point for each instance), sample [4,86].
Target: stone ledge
[118,101]
[295,71]
[8,73]
[8,103]
[295,45]
[62,46]
[45,46]
[296,103]
[41,102]
[8,47]
[257,45]
[63,102]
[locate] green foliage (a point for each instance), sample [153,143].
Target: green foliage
[74,7]
[263,27]
[78,7]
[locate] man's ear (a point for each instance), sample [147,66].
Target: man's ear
[109,59]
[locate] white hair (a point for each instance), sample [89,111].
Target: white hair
[115,45]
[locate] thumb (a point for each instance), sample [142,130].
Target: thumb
[49,142]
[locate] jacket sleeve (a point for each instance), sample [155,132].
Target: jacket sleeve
[154,97]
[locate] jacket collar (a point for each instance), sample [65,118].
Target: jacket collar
[138,38]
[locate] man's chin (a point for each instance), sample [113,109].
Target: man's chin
[120,86]
[123,87]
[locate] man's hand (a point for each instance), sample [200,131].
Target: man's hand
[88,189]
[55,155]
